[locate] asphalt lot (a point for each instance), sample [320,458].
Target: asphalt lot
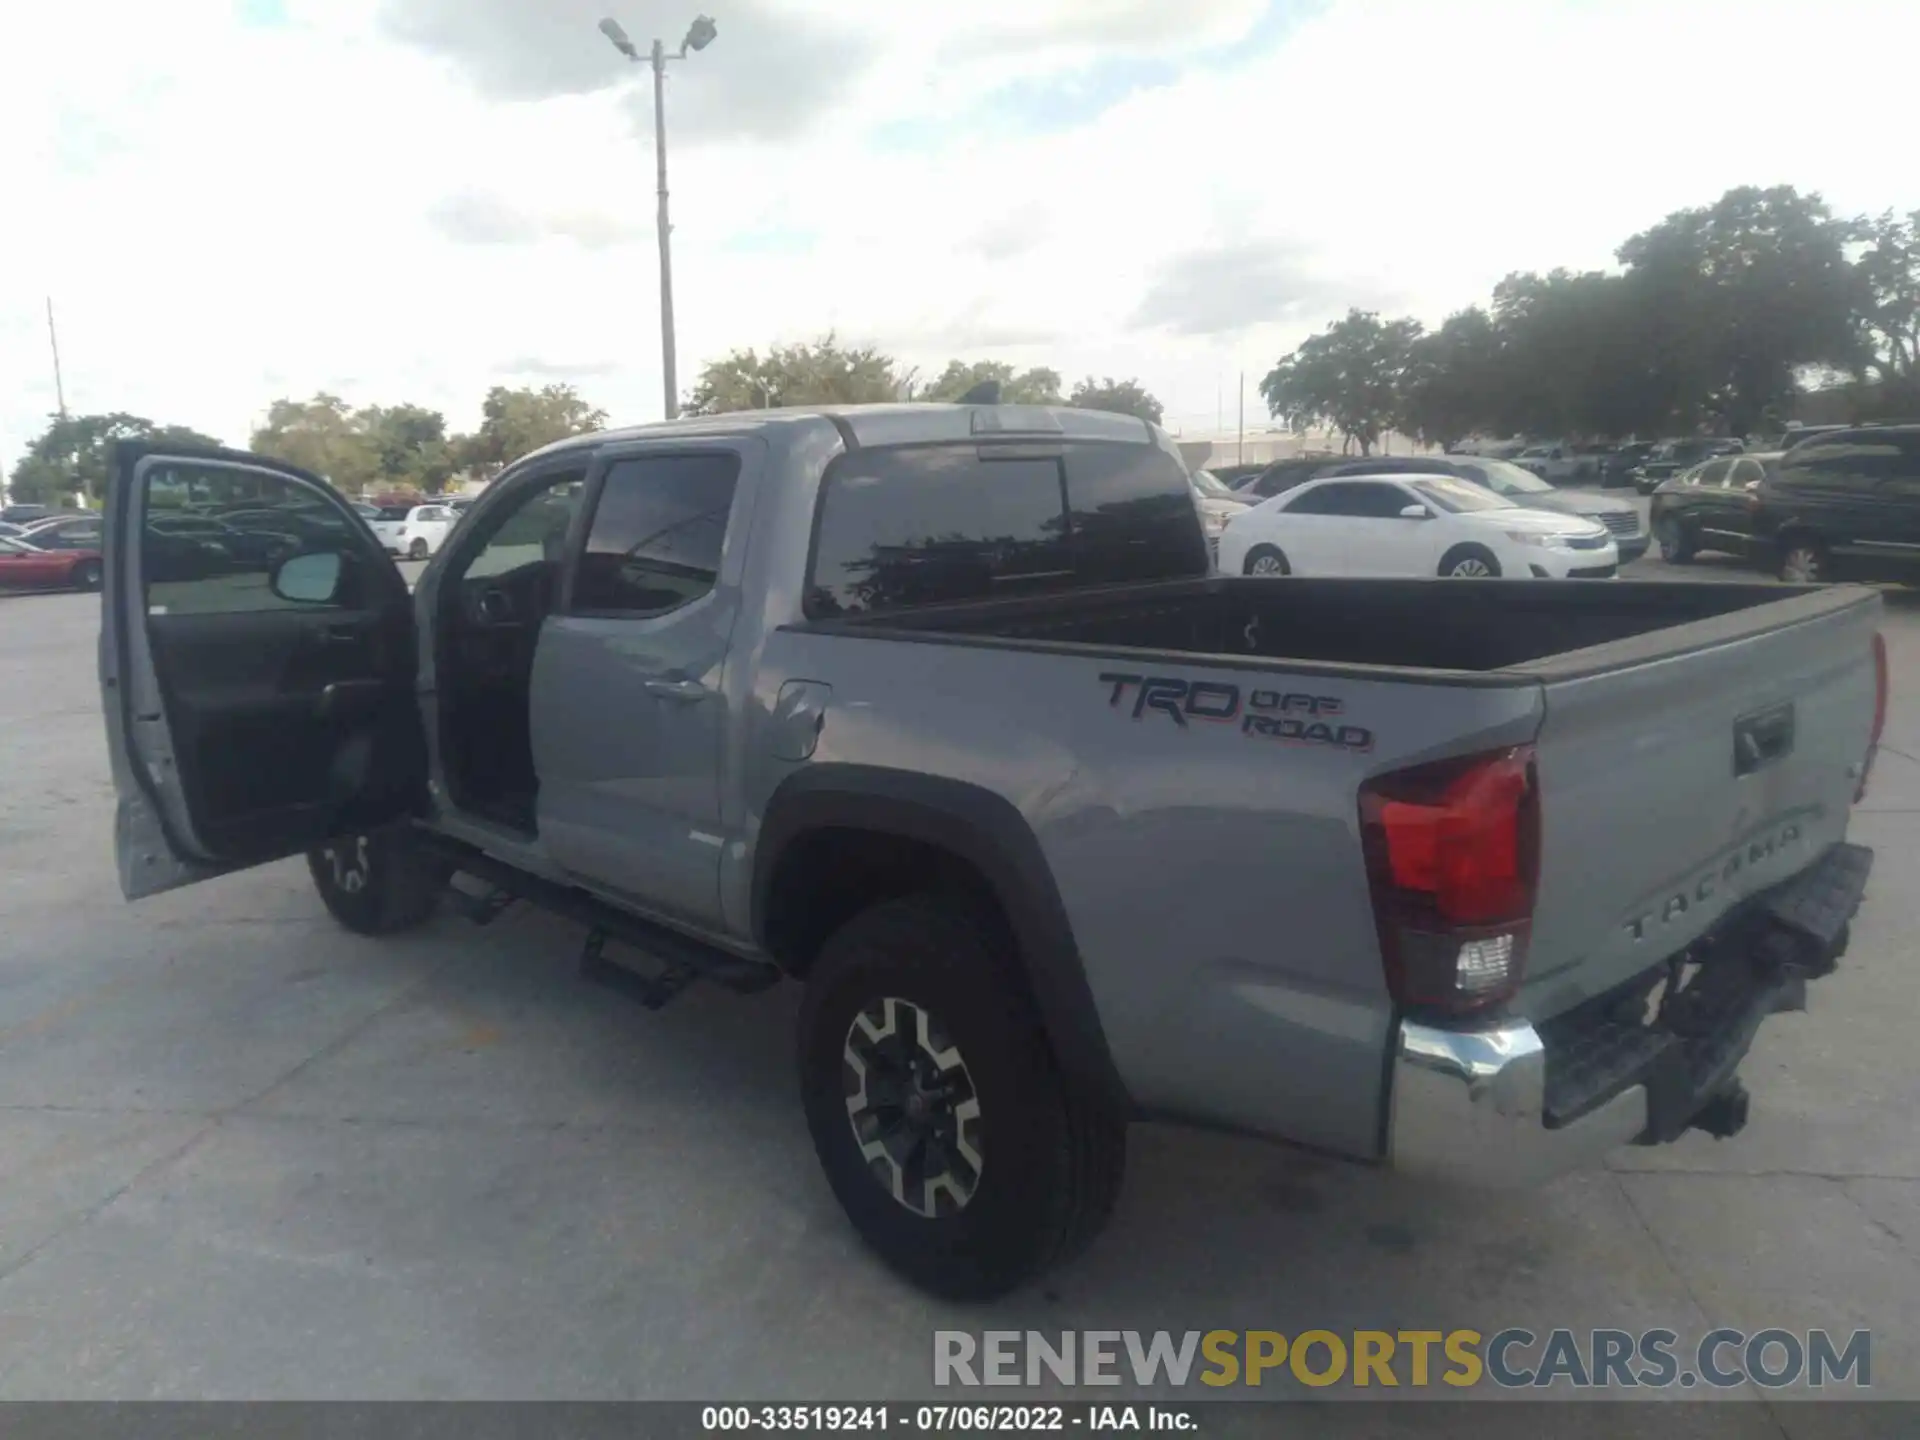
[245,1154]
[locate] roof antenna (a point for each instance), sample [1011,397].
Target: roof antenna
[987,392]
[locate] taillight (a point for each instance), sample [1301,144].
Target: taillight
[1879,713]
[1453,857]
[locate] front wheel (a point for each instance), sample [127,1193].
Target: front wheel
[1676,546]
[1469,562]
[379,883]
[961,1154]
[86,575]
[1804,562]
[1265,560]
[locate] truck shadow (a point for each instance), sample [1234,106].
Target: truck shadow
[1211,1231]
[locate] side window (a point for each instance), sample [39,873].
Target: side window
[533,532]
[933,525]
[657,532]
[195,563]
[1385,502]
[1130,516]
[1351,498]
[1713,475]
[1904,483]
[1743,474]
[1319,501]
[1853,464]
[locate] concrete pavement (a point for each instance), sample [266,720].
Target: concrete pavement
[244,1154]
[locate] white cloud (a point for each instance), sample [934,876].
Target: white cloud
[228,212]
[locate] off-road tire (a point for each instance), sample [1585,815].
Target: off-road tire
[384,882]
[1052,1156]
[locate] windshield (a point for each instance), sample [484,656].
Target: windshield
[1458,496]
[1210,485]
[1505,478]
[395,512]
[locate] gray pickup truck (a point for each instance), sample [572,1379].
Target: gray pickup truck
[938,710]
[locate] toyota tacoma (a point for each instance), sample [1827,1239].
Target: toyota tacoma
[937,711]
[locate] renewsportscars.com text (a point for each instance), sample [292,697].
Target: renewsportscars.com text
[1460,1359]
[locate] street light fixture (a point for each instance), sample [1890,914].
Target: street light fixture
[699,35]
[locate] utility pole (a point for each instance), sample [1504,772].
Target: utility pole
[699,35]
[1241,458]
[53,339]
[669,379]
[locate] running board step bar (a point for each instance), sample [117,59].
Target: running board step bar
[681,959]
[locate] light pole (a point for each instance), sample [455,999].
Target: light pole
[699,35]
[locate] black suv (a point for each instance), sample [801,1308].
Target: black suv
[1847,502]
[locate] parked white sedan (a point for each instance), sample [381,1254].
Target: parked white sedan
[413,531]
[1411,525]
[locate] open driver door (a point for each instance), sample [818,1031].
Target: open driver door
[258,664]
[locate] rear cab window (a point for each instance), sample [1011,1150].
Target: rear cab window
[907,526]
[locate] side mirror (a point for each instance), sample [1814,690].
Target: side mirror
[1416,512]
[312,579]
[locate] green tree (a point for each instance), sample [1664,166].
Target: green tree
[1122,397]
[410,445]
[1038,386]
[1735,298]
[1348,377]
[72,454]
[517,422]
[1451,386]
[822,372]
[324,435]
[1887,309]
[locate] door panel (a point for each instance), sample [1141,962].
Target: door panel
[629,697]
[257,702]
[1722,504]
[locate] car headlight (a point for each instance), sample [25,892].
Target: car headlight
[1546,541]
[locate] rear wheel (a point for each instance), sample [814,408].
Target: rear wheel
[379,883]
[1676,545]
[417,550]
[961,1154]
[1266,560]
[86,575]
[1804,561]
[1469,562]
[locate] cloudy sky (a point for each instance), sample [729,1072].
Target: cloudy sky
[411,200]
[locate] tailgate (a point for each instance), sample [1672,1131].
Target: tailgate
[1682,771]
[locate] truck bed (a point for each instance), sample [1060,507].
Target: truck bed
[1541,628]
[1636,697]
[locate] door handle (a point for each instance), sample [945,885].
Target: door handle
[1759,740]
[342,635]
[684,691]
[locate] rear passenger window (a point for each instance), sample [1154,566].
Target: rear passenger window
[935,525]
[1131,516]
[1856,464]
[657,534]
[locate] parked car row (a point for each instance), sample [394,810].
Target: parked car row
[1839,503]
[1620,518]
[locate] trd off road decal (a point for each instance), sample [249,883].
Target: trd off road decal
[1283,715]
